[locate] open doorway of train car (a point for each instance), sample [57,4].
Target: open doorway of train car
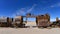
[30,21]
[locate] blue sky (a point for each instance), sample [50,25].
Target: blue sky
[11,8]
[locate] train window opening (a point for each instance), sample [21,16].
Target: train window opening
[31,22]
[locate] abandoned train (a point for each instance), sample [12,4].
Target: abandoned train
[41,21]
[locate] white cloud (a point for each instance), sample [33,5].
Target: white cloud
[52,6]
[29,10]
[52,20]
[19,12]
[59,18]
[23,10]
[55,5]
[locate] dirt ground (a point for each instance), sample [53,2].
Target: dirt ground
[29,31]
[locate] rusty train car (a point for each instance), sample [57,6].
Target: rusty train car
[6,22]
[18,22]
[12,22]
[43,20]
[56,23]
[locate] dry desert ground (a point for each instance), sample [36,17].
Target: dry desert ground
[29,30]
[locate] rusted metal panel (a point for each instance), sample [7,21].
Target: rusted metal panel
[6,22]
[19,21]
[42,20]
[3,20]
[9,20]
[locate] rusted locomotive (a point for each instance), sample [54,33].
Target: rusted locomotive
[12,22]
[56,23]
[6,22]
[18,21]
[43,20]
